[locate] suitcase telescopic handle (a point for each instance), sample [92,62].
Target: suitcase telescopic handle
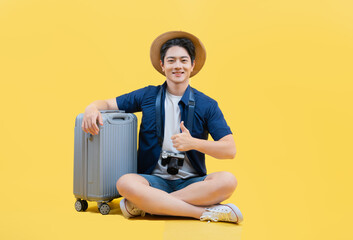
[118,118]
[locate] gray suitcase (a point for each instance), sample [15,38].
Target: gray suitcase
[100,160]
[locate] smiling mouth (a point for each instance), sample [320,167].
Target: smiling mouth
[178,73]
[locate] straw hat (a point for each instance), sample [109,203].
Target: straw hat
[200,51]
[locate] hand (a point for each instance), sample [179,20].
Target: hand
[183,141]
[90,118]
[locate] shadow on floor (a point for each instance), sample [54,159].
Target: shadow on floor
[173,226]
[115,210]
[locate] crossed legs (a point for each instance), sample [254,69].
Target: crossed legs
[190,201]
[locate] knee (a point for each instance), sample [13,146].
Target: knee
[123,185]
[229,183]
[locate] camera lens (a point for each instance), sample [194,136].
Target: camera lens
[173,166]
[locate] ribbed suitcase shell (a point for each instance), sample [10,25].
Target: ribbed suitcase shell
[100,160]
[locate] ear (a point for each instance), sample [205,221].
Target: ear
[161,64]
[193,65]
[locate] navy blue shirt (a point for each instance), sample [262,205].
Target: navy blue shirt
[208,118]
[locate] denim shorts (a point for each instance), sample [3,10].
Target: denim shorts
[170,185]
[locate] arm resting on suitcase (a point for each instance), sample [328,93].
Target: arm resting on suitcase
[92,114]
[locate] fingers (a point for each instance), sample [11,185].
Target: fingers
[89,128]
[180,147]
[174,139]
[183,128]
[176,146]
[182,141]
[178,142]
[89,123]
[100,119]
[83,126]
[94,128]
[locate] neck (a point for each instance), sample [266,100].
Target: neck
[177,89]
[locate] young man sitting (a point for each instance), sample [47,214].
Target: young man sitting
[176,121]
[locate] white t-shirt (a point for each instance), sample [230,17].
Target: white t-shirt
[172,127]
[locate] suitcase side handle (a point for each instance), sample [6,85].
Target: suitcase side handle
[118,118]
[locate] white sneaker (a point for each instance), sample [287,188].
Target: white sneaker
[223,212]
[129,209]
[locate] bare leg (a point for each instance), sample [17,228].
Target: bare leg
[216,188]
[136,189]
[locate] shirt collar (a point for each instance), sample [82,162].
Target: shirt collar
[185,97]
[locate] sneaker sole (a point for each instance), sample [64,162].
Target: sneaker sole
[236,211]
[124,209]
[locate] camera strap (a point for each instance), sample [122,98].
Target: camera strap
[159,120]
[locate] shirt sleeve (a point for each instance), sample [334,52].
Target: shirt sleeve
[217,125]
[131,102]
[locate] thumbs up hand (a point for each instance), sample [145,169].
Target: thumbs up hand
[183,141]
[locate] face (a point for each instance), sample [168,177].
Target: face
[177,65]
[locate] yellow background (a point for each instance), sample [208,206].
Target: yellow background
[280,70]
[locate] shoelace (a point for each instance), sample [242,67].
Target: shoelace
[215,214]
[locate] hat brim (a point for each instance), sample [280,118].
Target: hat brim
[200,51]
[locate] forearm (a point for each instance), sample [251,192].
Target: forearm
[99,105]
[102,105]
[222,149]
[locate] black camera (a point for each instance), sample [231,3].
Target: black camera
[174,161]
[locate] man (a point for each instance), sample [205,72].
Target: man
[171,177]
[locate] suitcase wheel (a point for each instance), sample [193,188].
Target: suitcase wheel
[84,205]
[81,205]
[104,209]
[78,205]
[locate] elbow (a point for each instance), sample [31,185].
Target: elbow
[228,155]
[232,150]
[232,154]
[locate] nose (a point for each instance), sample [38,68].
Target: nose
[178,64]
